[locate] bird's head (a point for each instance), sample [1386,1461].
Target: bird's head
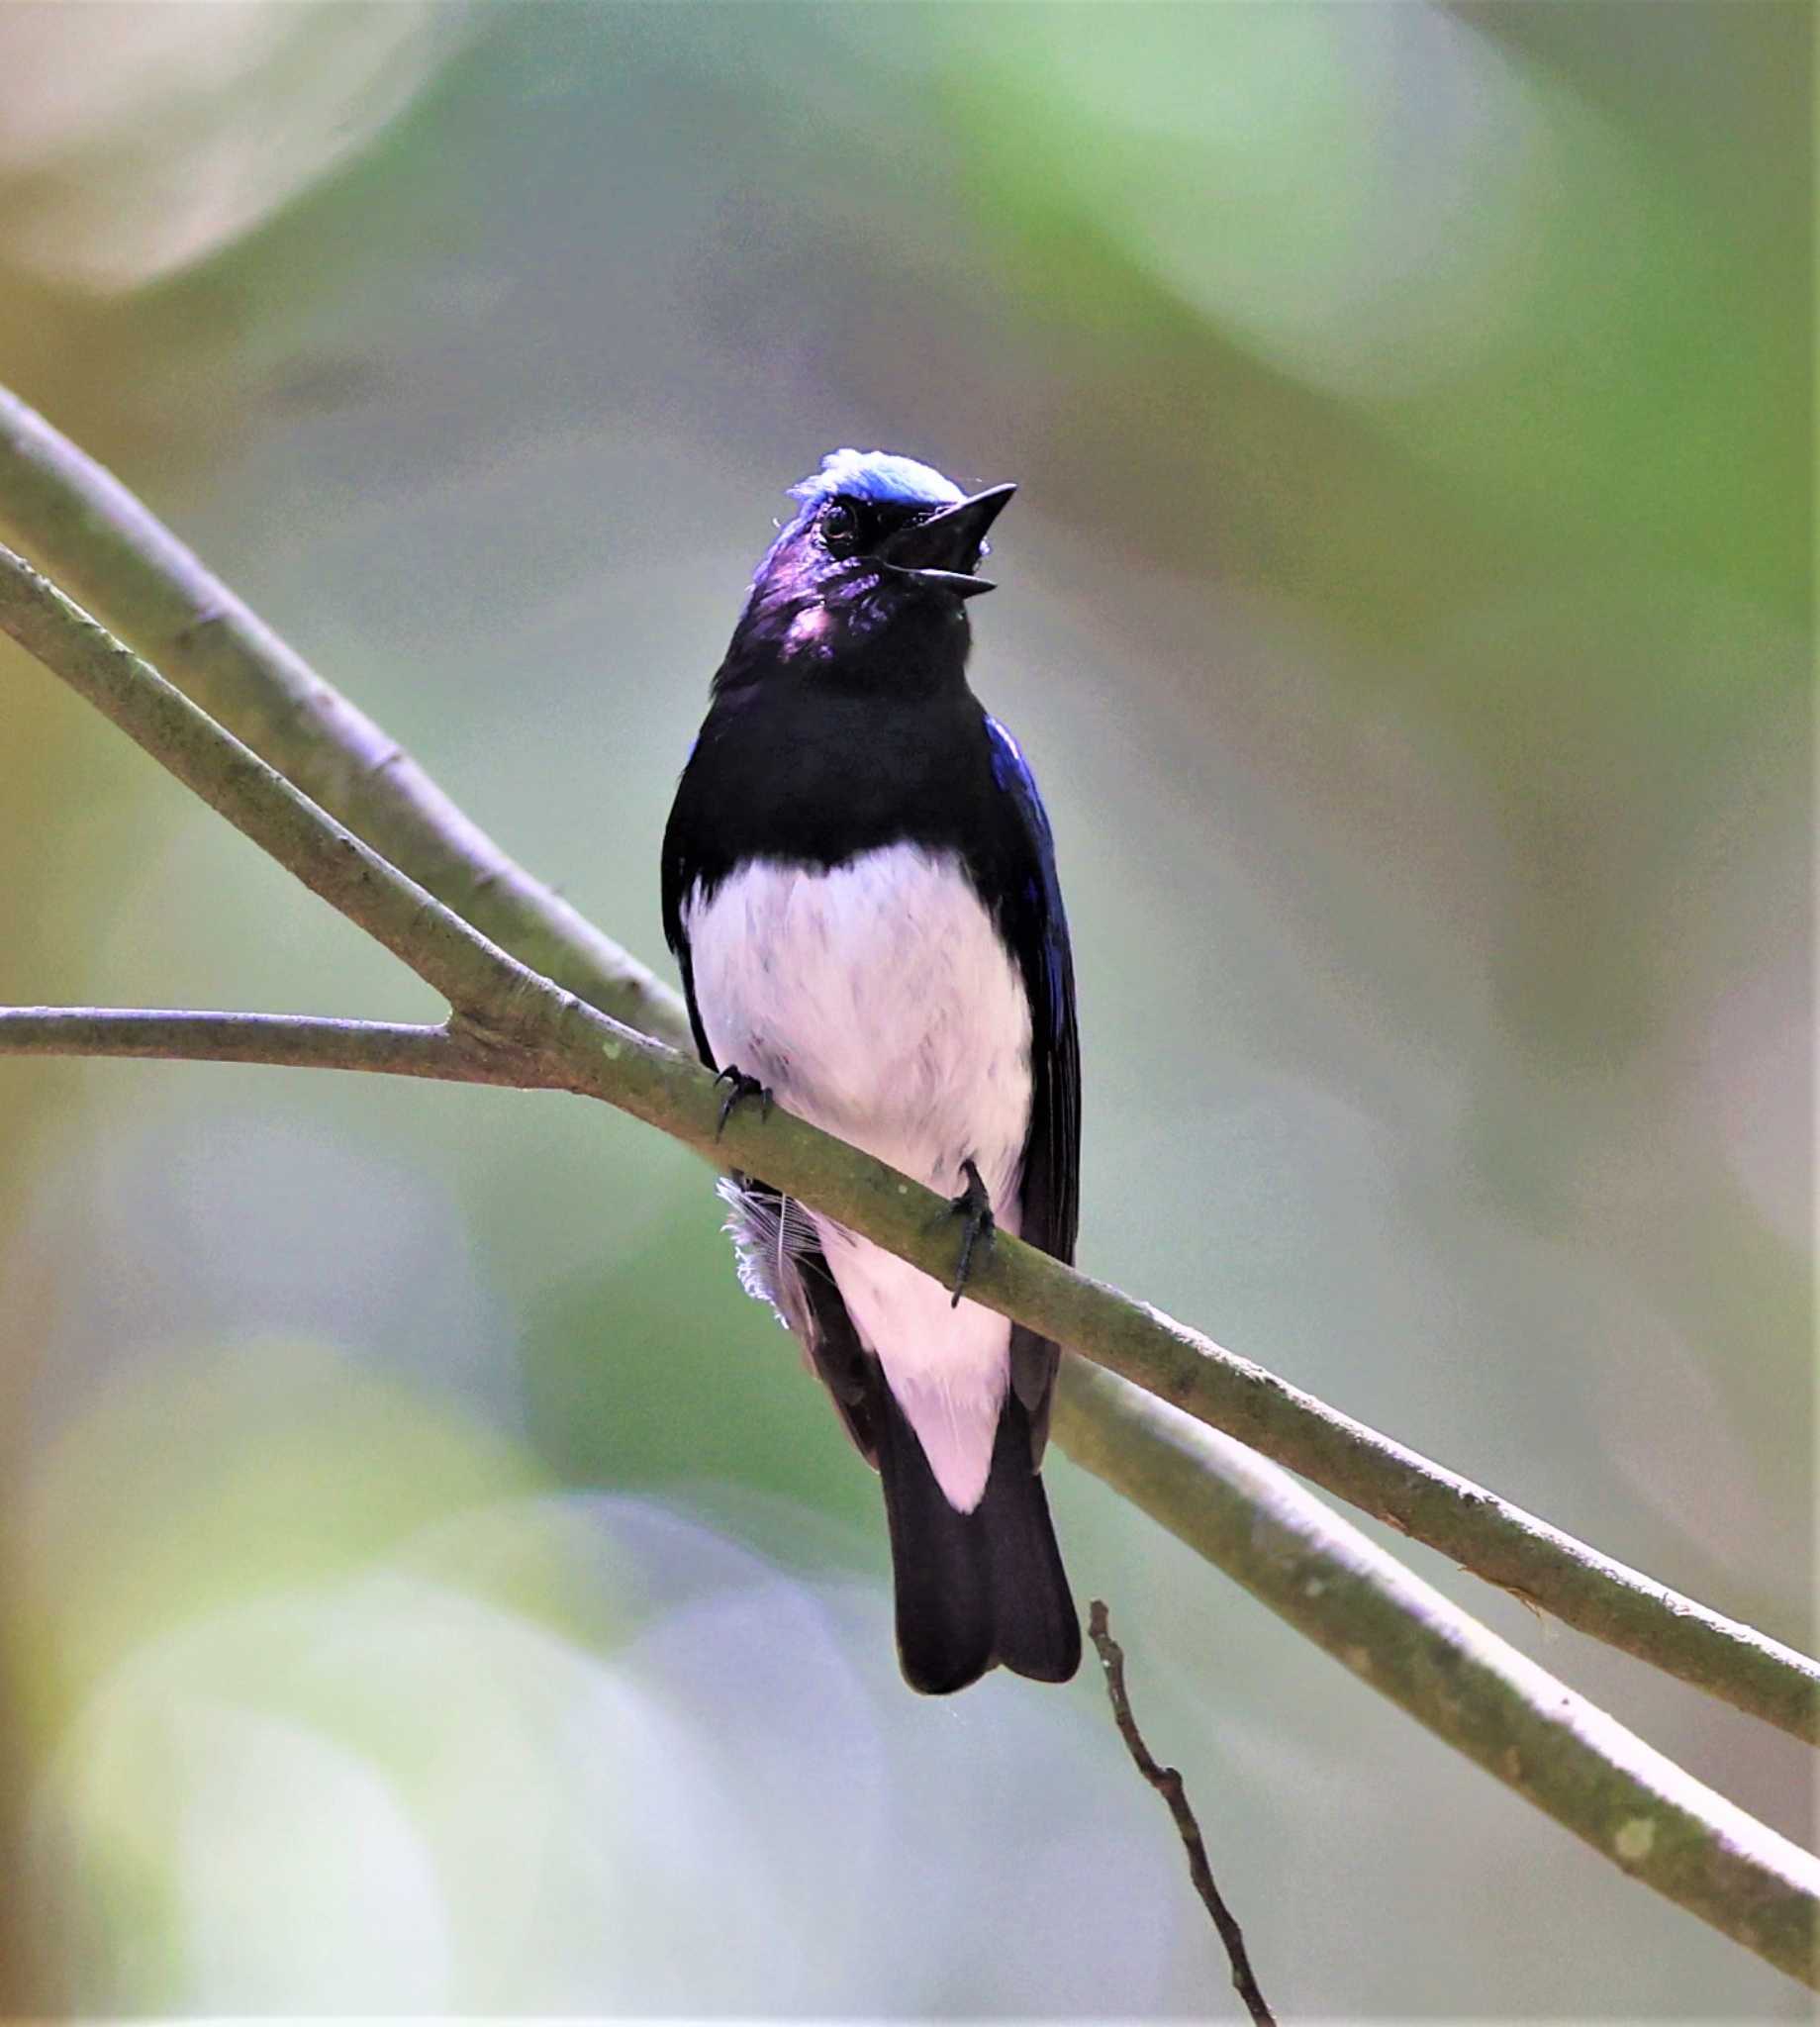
[882,555]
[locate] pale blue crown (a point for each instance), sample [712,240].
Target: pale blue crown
[878,477]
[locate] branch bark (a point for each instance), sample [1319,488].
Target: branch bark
[552,1039]
[289,1042]
[1522,1725]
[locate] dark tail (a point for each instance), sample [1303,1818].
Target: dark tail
[974,1589]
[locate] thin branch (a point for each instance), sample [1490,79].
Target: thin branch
[1472,1690]
[469,972]
[87,532]
[293,1041]
[583,1050]
[1168,1783]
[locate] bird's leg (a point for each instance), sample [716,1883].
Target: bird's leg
[740,1086]
[976,1206]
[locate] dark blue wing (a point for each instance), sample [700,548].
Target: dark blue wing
[681,869]
[1035,929]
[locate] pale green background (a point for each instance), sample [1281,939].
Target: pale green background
[428,1584]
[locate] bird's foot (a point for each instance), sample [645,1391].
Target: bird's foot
[738,1087]
[976,1208]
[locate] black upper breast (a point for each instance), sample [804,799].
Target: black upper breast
[818,778]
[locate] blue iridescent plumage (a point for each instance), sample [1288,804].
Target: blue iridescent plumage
[881,478]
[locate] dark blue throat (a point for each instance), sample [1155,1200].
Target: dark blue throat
[847,627]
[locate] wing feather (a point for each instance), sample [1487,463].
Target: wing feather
[1035,929]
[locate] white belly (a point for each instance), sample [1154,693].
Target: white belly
[877,1002]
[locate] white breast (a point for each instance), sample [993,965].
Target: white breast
[878,1000]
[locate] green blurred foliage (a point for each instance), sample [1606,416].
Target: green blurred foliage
[428,1583]
[727,1409]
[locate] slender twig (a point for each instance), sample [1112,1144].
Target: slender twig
[1168,1783]
[295,1041]
[583,1050]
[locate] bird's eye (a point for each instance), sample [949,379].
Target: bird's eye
[839,529]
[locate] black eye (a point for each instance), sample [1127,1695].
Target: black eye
[839,529]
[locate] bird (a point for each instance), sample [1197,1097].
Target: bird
[859,887]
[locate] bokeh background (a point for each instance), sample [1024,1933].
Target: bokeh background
[428,1584]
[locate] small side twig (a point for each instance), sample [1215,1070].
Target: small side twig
[1167,1781]
[453,1053]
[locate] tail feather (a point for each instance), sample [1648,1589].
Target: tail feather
[1037,1629]
[974,1589]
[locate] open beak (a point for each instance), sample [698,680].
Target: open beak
[942,551]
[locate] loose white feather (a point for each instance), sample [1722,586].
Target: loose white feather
[770,1234]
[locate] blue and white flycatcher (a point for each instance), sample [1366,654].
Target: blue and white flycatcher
[859,884]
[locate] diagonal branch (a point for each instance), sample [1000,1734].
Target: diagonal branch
[1471,1688]
[468,971]
[504,1006]
[89,532]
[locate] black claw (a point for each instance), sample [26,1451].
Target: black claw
[976,1206]
[738,1087]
